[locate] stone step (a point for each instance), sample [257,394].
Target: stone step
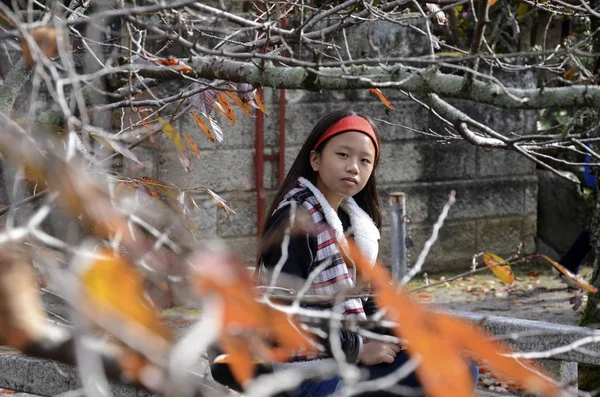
[34,376]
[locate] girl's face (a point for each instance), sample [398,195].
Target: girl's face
[344,165]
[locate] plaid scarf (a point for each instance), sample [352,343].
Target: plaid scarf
[336,277]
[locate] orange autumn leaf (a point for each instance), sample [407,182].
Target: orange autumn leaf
[238,101]
[440,341]
[130,187]
[492,2]
[143,116]
[239,358]
[225,108]
[7,20]
[155,184]
[499,267]
[219,273]
[114,287]
[203,127]
[424,297]
[221,203]
[284,331]
[132,364]
[576,278]
[91,203]
[569,74]
[382,97]
[260,102]
[192,144]
[124,189]
[45,38]
[32,177]
[21,310]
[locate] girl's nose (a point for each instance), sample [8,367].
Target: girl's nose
[352,167]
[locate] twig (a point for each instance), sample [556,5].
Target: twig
[432,239]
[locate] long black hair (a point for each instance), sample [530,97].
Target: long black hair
[367,198]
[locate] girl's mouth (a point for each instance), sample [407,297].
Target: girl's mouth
[350,181]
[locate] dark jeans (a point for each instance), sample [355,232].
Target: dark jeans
[576,254]
[322,388]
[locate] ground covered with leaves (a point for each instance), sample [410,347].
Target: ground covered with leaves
[536,294]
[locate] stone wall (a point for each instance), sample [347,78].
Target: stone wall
[496,190]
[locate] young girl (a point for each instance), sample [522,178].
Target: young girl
[333,179]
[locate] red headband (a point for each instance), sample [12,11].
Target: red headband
[351,123]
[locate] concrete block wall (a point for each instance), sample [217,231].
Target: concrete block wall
[496,190]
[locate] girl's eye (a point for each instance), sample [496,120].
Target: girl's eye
[366,161]
[342,154]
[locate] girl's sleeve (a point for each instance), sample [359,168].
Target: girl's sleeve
[300,248]
[352,346]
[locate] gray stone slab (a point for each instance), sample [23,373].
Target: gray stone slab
[563,371]
[244,221]
[503,235]
[399,162]
[508,121]
[538,336]
[482,198]
[222,170]
[500,162]
[291,152]
[47,378]
[443,255]
[205,218]
[425,161]
[460,240]
[531,198]
[529,234]
[244,247]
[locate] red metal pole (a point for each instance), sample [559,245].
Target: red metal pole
[281,135]
[258,168]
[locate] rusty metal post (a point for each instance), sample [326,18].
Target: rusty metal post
[399,254]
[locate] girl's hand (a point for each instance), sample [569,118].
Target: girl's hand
[376,352]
